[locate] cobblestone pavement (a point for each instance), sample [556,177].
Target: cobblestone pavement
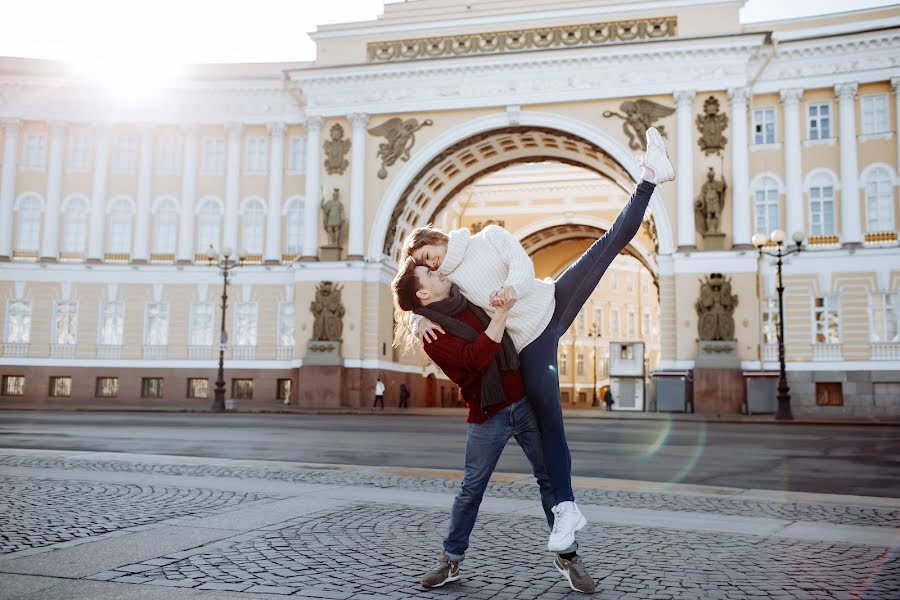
[36,513]
[792,511]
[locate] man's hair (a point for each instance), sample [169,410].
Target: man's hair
[404,288]
[424,236]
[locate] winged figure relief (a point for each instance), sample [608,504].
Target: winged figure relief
[639,115]
[401,137]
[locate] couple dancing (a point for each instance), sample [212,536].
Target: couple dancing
[494,330]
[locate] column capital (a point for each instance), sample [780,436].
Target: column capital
[313,124]
[738,95]
[358,119]
[684,98]
[276,129]
[791,96]
[895,84]
[846,90]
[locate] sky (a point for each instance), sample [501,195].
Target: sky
[106,32]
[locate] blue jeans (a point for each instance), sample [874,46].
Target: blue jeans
[484,444]
[538,359]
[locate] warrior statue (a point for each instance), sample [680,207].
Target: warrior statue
[709,204]
[400,136]
[328,313]
[639,116]
[715,309]
[333,218]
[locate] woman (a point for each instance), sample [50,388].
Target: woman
[492,267]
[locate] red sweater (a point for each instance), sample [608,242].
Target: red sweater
[465,363]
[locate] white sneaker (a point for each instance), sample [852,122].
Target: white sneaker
[565,523]
[656,158]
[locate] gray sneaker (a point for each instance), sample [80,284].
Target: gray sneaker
[445,571]
[575,573]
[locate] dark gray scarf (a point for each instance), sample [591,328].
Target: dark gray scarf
[443,312]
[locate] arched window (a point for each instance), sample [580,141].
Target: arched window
[120,213]
[75,216]
[254,226]
[821,204]
[166,221]
[765,205]
[294,224]
[208,225]
[28,223]
[879,200]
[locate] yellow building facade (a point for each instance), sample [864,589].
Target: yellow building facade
[432,113]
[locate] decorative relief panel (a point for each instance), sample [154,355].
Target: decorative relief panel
[594,34]
[336,148]
[639,115]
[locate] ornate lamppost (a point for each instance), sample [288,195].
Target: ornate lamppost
[760,240]
[595,333]
[225,263]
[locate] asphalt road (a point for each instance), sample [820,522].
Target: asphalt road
[843,459]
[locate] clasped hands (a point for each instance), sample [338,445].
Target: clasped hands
[502,300]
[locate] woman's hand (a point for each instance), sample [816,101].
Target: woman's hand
[427,330]
[504,295]
[504,303]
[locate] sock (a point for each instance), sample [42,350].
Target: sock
[647,174]
[568,555]
[568,505]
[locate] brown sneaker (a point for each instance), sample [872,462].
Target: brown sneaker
[446,570]
[575,573]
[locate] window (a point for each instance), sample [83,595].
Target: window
[120,226]
[157,325]
[819,123]
[35,151]
[886,317]
[107,387]
[598,319]
[208,224]
[28,225]
[152,387]
[826,317]
[201,324]
[615,281]
[286,324]
[581,322]
[297,154]
[18,321]
[126,154]
[112,323]
[254,226]
[65,322]
[242,389]
[75,225]
[614,322]
[294,233]
[60,387]
[13,385]
[765,206]
[645,325]
[879,200]
[283,391]
[629,283]
[829,393]
[198,387]
[245,324]
[770,320]
[167,154]
[255,155]
[874,114]
[166,234]
[579,364]
[645,286]
[79,153]
[563,364]
[214,155]
[631,325]
[764,126]
[821,205]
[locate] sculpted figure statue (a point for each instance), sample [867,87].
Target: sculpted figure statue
[333,218]
[400,137]
[715,308]
[709,204]
[328,313]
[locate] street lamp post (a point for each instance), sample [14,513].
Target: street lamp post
[225,263]
[595,333]
[759,240]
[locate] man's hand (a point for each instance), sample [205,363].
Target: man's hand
[427,330]
[502,296]
[503,303]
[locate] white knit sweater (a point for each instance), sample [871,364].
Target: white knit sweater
[483,263]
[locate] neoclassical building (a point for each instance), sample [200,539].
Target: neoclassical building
[458,112]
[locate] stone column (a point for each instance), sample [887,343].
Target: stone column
[141,250]
[895,85]
[8,186]
[186,249]
[357,209]
[687,232]
[50,239]
[851,226]
[276,185]
[313,193]
[232,186]
[793,164]
[741,219]
[102,133]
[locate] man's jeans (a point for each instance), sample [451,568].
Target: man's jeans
[484,444]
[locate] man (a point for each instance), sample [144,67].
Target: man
[608,399]
[478,355]
[404,396]
[379,394]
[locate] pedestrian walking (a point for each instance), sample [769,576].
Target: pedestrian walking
[379,394]
[404,396]
[608,399]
